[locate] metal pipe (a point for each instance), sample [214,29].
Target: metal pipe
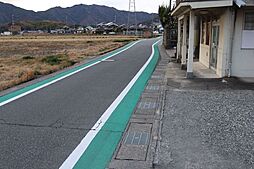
[233,17]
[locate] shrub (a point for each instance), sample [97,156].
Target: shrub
[27,57]
[122,40]
[52,60]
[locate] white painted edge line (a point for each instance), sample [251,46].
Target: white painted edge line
[73,158]
[63,77]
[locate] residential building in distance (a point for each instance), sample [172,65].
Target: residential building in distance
[217,33]
[15,29]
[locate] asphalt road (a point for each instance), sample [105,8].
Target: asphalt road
[40,130]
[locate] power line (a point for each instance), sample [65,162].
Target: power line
[132,9]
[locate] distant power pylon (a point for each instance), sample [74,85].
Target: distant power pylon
[12,19]
[66,20]
[132,10]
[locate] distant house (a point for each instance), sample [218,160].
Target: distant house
[111,25]
[218,33]
[141,26]
[80,30]
[58,31]
[107,28]
[53,32]
[122,27]
[6,33]
[100,25]
[15,29]
[34,33]
[90,30]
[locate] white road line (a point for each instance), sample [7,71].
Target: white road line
[73,158]
[63,77]
[108,60]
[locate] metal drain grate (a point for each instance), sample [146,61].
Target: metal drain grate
[147,105]
[137,138]
[153,87]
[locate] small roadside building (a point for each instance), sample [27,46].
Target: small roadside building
[217,33]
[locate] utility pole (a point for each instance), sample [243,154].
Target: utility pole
[170,4]
[132,9]
[152,22]
[12,19]
[115,18]
[66,19]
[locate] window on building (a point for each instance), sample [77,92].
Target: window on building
[248,30]
[205,37]
[203,32]
[249,21]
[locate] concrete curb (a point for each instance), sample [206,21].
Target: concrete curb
[158,144]
[125,156]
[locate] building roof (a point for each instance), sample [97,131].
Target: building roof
[249,2]
[111,24]
[190,4]
[185,5]
[241,3]
[89,28]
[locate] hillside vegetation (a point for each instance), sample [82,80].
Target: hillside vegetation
[76,15]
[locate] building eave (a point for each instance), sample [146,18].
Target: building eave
[183,6]
[248,5]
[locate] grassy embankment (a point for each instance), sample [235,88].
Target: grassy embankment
[23,58]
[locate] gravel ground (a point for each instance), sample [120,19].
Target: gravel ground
[208,130]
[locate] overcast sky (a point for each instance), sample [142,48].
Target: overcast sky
[41,5]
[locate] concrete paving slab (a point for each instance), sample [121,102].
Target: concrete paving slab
[160,81]
[147,94]
[134,146]
[140,118]
[161,67]
[147,106]
[156,76]
[128,164]
[153,88]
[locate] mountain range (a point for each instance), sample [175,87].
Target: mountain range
[78,14]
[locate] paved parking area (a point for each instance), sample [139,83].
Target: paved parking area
[208,130]
[207,123]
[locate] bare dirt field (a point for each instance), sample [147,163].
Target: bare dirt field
[23,58]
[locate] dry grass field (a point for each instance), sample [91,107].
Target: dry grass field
[23,58]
